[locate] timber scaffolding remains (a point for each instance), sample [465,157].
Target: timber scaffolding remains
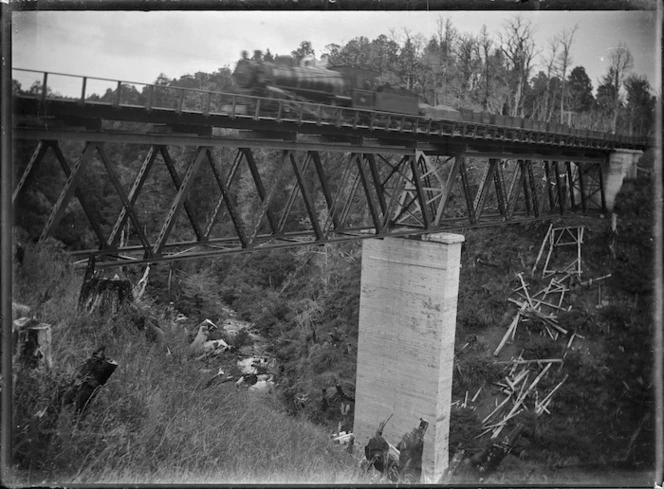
[542,308]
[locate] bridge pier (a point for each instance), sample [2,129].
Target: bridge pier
[620,165]
[407,322]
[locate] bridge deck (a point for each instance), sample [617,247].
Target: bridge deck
[206,109]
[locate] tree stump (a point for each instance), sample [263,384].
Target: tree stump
[101,293]
[410,449]
[32,343]
[91,376]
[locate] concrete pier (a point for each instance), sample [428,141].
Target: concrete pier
[408,305]
[621,165]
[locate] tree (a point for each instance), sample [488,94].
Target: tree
[304,51]
[483,51]
[447,37]
[16,87]
[565,39]
[492,83]
[468,64]
[547,105]
[607,94]
[640,104]
[541,97]
[355,53]
[409,62]
[621,62]
[518,45]
[580,90]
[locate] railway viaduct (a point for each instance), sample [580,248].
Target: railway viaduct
[403,184]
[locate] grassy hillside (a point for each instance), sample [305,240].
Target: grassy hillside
[154,420]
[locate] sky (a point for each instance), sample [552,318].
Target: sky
[138,46]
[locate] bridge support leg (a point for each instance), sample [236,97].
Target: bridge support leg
[620,165]
[407,321]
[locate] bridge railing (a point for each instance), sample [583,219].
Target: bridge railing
[91,91]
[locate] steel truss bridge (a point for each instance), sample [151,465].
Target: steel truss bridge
[249,173]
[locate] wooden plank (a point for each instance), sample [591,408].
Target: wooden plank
[510,330]
[525,362]
[525,289]
[523,397]
[539,255]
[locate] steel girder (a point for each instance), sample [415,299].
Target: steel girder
[239,199]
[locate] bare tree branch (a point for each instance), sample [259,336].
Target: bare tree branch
[565,39]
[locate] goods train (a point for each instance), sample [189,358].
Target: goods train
[343,86]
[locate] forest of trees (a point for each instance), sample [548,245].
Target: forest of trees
[502,76]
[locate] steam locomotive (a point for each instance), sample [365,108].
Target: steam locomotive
[344,86]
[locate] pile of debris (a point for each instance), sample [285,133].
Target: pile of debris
[522,393]
[542,306]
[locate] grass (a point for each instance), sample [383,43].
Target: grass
[153,421]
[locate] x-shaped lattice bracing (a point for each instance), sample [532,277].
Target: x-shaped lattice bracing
[267,198]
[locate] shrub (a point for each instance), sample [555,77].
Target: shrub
[475,371]
[576,320]
[242,338]
[465,425]
[536,347]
